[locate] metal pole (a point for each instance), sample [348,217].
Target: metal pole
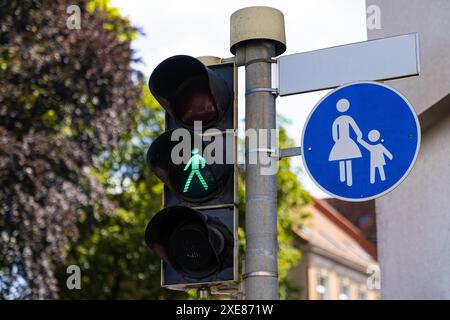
[261,204]
[256,36]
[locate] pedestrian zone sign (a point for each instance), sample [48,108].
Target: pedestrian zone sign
[360,141]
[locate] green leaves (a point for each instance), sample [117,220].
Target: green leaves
[117,263]
[124,30]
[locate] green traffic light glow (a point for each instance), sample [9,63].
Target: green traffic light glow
[196,163]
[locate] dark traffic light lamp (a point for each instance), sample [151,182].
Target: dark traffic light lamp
[195,244]
[190,91]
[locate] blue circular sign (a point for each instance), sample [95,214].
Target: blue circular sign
[360,141]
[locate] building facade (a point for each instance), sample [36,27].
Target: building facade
[413,221]
[337,262]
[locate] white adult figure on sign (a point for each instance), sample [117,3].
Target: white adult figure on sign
[344,149]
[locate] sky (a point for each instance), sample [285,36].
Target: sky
[201,27]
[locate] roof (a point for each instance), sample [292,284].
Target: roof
[330,232]
[361,214]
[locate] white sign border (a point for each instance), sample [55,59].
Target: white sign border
[404,175]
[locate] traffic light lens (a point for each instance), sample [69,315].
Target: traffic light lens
[194,102]
[190,250]
[195,182]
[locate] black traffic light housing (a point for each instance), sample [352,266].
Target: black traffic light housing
[196,233]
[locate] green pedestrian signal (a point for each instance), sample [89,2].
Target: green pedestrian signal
[194,162]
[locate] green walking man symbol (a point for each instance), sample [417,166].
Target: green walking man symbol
[194,162]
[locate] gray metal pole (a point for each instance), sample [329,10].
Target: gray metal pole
[261,264]
[256,36]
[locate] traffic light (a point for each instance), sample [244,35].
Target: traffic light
[196,233]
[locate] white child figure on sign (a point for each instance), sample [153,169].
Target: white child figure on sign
[377,153]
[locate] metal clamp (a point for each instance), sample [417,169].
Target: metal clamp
[273,91]
[269,60]
[270,151]
[260,274]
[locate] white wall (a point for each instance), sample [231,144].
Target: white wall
[413,221]
[413,225]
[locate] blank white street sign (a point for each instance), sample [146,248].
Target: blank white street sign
[382,59]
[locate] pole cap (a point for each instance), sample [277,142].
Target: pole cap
[254,23]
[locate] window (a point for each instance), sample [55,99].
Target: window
[362,294]
[344,292]
[322,286]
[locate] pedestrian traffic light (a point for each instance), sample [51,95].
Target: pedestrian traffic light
[195,235]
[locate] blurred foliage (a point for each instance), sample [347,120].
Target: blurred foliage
[123,30]
[65,97]
[111,251]
[292,199]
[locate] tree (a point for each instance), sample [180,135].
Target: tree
[65,97]
[116,262]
